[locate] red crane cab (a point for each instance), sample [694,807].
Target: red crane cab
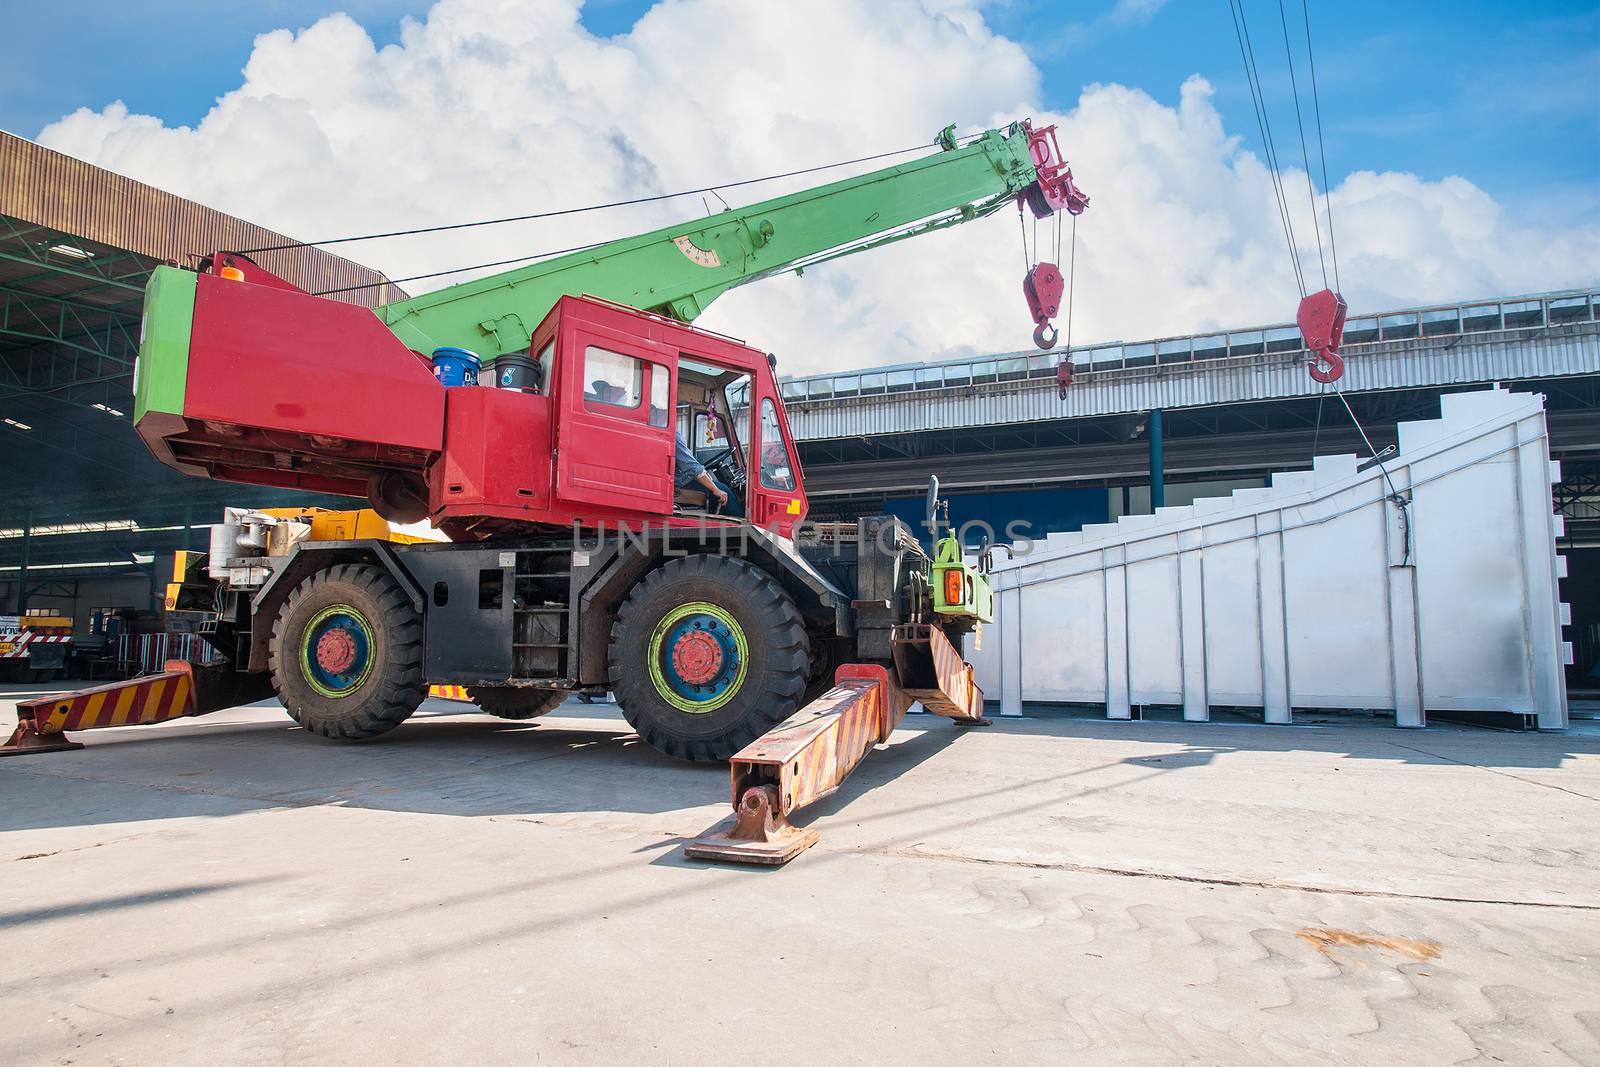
[596,443]
[263,404]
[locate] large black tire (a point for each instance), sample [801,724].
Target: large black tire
[516,702]
[384,682]
[826,656]
[767,637]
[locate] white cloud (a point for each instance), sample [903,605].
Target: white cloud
[1135,12]
[494,107]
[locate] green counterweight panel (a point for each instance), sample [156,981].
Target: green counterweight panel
[679,270]
[162,370]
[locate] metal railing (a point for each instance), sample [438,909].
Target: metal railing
[140,654]
[1548,309]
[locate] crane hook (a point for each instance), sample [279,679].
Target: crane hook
[1327,366]
[1042,286]
[1321,321]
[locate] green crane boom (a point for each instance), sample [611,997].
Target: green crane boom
[679,270]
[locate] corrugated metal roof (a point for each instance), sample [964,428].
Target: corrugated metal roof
[47,188]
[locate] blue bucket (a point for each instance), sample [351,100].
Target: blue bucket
[455,366]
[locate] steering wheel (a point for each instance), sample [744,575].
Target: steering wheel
[717,458]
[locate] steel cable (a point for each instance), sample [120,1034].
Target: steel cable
[589,207]
[1305,155]
[1241,31]
[1322,151]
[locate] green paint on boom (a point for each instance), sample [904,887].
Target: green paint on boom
[679,270]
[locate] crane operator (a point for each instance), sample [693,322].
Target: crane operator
[690,475]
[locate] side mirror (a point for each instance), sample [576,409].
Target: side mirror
[933,506]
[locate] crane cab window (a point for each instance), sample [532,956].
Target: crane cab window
[659,388]
[546,359]
[776,472]
[711,438]
[611,379]
[709,434]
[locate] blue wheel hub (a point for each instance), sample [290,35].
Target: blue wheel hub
[336,651]
[698,658]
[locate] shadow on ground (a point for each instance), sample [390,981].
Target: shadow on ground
[449,761]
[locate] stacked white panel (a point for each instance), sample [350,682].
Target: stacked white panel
[1427,583]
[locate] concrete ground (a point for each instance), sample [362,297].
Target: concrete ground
[1050,890]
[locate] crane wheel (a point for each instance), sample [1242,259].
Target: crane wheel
[707,654]
[346,653]
[827,653]
[516,702]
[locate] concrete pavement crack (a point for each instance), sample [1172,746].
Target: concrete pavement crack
[1492,770]
[1242,883]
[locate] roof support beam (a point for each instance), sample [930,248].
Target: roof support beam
[98,279]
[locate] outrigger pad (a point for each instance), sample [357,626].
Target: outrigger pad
[759,834]
[27,740]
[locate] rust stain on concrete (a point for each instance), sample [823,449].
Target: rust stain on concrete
[1323,939]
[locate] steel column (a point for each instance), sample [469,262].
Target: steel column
[22,571]
[1158,463]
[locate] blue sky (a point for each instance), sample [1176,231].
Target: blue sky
[1463,140]
[1504,97]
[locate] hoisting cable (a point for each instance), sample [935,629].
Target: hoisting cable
[1072,274]
[588,207]
[1322,150]
[1064,363]
[1316,433]
[1321,315]
[1395,497]
[1022,225]
[1305,155]
[1241,31]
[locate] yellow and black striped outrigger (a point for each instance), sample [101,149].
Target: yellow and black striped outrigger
[182,690]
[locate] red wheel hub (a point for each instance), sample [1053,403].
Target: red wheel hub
[697,657]
[336,651]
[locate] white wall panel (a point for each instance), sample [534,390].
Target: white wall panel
[1320,591]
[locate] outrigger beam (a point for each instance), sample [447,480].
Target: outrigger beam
[804,759]
[181,690]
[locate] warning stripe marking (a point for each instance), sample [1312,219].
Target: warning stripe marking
[119,714]
[18,642]
[90,716]
[833,751]
[135,703]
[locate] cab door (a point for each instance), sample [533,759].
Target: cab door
[614,438]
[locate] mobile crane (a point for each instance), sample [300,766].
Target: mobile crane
[710,631]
